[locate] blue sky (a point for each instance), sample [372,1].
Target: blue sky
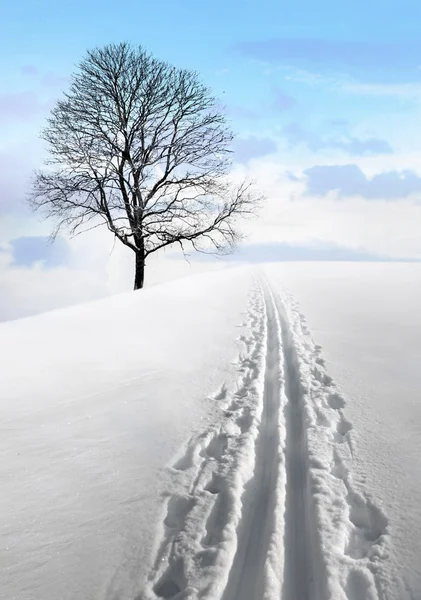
[325,99]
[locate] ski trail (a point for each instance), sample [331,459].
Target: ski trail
[335,533]
[247,579]
[263,506]
[298,561]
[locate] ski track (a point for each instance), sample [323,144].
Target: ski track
[263,506]
[248,576]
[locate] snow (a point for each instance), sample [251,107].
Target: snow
[94,401]
[242,434]
[367,318]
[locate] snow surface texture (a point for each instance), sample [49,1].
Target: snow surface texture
[260,503]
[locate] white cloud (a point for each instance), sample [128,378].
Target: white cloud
[385,228]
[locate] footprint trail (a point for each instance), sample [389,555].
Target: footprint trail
[263,505]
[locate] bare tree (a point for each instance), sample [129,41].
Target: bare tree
[141,147]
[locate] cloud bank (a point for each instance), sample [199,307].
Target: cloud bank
[349,180]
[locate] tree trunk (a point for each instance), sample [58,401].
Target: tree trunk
[139,277]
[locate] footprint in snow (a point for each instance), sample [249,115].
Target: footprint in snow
[369,524]
[186,461]
[322,378]
[222,394]
[216,447]
[217,520]
[214,485]
[177,510]
[335,401]
[360,585]
[171,583]
[342,428]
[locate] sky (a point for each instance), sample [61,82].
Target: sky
[324,98]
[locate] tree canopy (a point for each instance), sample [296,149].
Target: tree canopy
[143,148]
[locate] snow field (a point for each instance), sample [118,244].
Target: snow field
[94,401]
[103,497]
[264,504]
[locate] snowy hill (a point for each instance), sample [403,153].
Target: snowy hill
[189,441]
